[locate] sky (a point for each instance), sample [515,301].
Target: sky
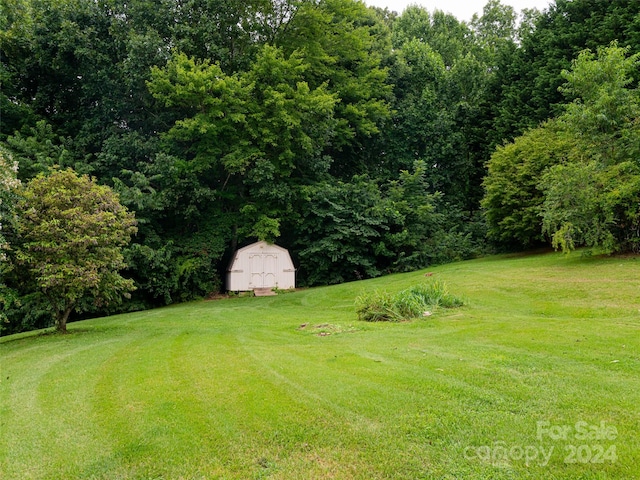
[461,9]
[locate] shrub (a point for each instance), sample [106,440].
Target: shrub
[413,302]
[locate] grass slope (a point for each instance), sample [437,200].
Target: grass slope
[237,389]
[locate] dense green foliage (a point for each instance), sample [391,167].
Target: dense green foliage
[9,185]
[529,78]
[356,137]
[513,199]
[575,179]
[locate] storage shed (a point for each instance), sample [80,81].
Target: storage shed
[260,265]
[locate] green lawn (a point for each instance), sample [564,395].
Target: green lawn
[543,356]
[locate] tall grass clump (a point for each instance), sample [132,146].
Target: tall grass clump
[377,306]
[435,294]
[414,302]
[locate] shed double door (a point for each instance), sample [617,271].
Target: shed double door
[263,270]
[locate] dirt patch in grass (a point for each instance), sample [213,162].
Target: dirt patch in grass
[326,329]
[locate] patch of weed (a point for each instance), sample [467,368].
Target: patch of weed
[413,302]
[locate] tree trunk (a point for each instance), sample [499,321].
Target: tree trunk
[61,319]
[234,239]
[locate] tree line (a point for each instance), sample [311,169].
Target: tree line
[366,141]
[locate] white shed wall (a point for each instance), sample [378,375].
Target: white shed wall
[261,265]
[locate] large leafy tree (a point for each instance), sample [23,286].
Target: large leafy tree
[528,81]
[513,196]
[440,115]
[71,233]
[494,29]
[9,185]
[587,204]
[252,138]
[575,179]
[594,200]
[344,45]
[444,33]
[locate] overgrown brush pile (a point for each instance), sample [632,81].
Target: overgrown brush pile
[414,302]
